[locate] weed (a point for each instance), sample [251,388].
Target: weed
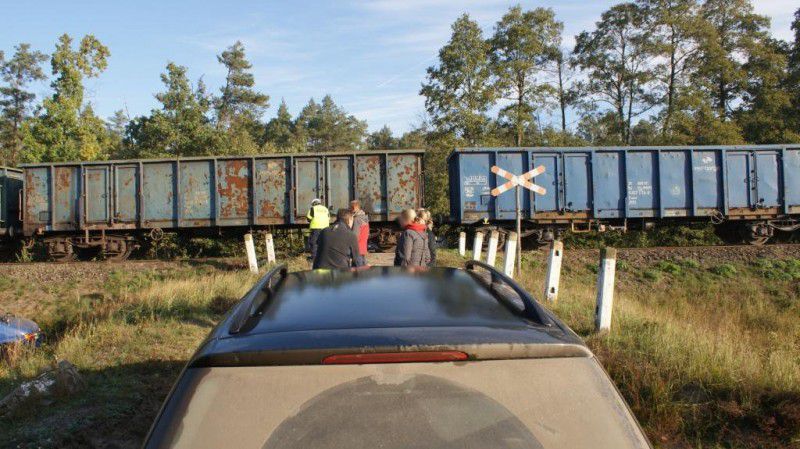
[725,270]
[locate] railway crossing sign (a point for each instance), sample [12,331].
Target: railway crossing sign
[521,180]
[518,181]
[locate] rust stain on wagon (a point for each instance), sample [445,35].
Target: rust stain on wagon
[403,182]
[233,188]
[369,186]
[271,190]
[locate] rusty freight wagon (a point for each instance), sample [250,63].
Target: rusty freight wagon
[109,206]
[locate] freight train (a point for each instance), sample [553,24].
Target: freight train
[108,207]
[747,192]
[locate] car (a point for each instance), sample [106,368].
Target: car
[18,330]
[390,357]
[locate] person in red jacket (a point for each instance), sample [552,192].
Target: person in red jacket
[360,229]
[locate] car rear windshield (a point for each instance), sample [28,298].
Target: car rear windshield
[526,403]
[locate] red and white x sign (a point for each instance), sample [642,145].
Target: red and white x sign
[521,180]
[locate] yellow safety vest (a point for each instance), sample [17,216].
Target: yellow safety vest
[318,217]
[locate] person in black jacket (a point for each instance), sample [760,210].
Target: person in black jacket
[337,245]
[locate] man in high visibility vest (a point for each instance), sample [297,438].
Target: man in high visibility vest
[318,219]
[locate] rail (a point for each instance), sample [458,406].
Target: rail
[248,308]
[530,308]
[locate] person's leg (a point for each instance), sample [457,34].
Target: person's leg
[312,242]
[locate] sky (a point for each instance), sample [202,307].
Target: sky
[370,56]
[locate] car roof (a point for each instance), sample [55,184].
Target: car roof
[375,308]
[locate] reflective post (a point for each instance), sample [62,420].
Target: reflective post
[270,248]
[605,289]
[511,254]
[491,253]
[553,271]
[477,246]
[462,244]
[250,248]
[519,233]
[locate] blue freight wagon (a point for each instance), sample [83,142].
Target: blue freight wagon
[110,205]
[748,191]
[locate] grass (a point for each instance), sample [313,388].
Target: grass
[708,356]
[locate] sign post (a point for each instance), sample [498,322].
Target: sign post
[517,182]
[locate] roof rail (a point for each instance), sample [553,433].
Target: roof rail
[248,308]
[531,308]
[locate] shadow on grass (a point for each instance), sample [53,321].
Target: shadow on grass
[116,410]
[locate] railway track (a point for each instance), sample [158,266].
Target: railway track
[788,248]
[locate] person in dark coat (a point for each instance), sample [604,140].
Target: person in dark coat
[337,245]
[412,247]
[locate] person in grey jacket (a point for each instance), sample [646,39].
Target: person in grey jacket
[412,247]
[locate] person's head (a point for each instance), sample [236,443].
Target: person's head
[425,215]
[355,205]
[345,216]
[316,202]
[407,217]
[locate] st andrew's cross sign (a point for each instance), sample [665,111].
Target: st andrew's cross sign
[517,181]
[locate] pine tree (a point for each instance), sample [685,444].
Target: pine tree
[181,127]
[280,135]
[616,57]
[68,129]
[524,46]
[15,100]
[458,91]
[325,126]
[239,100]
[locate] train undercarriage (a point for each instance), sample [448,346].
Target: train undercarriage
[751,232]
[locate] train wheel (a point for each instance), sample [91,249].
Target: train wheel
[117,249]
[60,250]
[756,234]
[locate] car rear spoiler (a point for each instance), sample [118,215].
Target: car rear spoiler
[531,309]
[250,308]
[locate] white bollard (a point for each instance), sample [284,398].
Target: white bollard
[462,244]
[491,253]
[553,271]
[250,248]
[511,254]
[477,246]
[270,248]
[605,289]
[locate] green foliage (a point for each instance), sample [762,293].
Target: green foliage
[382,140]
[525,44]
[280,132]
[669,267]
[615,56]
[180,128]
[68,130]
[458,92]
[725,270]
[327,127]
[15,101]
[783,270]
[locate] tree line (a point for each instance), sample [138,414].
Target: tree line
[650,72]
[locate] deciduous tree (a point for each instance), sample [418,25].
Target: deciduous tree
[382,139]
[524,45]
[617,59]
[734,33]
[458,92]
[15,99]
[68,129]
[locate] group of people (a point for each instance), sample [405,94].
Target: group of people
[344,244]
